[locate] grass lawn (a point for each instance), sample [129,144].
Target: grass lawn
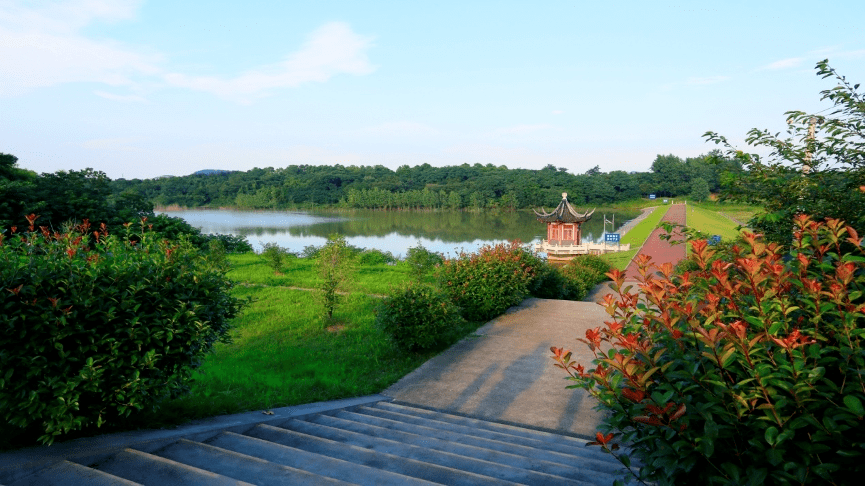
[738,211]
[711,222]
[298,272]
[620,260]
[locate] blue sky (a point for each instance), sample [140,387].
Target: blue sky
[150,88]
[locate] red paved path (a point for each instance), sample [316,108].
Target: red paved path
[659,250]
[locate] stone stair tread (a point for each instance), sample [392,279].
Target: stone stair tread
[240,466]
[149,469]
[527,458]
[71,473]
[364,456]
[481,423]
[301,459]
[473,427]
[482,466]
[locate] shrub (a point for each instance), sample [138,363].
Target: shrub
[336,267]
[421,261]
[375,257]
[310,252]
[274,255]
[748,370]
[420,317]
[486,283]
[593,262]
[584,272]
[97,328]
[233,244]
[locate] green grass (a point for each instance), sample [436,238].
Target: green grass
[639,233]
[298,272]
[620,260]
[710,222]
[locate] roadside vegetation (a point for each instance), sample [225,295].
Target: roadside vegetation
[744,365]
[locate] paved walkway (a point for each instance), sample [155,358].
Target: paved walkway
[503,372]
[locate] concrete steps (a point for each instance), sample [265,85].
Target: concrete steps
[380,443]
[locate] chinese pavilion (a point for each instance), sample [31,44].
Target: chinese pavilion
[563,223]
[563,233]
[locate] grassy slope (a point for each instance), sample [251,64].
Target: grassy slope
[711,222]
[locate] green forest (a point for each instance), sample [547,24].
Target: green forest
[426,187]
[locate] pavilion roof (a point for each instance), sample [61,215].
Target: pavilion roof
[564,213]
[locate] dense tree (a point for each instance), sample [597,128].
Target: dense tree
[700,190]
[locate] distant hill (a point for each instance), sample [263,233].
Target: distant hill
[211,171]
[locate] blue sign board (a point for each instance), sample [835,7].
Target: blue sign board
[611,237]
[652,196]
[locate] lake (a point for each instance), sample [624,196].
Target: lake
[394,231]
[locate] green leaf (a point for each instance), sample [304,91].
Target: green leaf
[774,456]
[770,435]
[854,405]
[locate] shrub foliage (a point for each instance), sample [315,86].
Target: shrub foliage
[420,317]
[747,370]
[486,283]
[96,327]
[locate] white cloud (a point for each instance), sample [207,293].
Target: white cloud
[785,63]
[708,80]
[332,49]
[43,46]
[558,112]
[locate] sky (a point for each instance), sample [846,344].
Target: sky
[141,89]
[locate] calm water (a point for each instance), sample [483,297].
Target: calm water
[393,231]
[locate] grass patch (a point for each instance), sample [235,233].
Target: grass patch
[620,260]
[711,222]
[639,233]
[740,212]
[298,272]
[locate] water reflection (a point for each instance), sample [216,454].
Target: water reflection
[393,231]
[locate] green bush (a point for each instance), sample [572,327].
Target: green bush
[274,255]
[421,261]
[420,317]
[594,262]
[486,283]
[96,327]
[233,244]
[375,257]
[748,370]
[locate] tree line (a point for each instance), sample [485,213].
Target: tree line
[426,187]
